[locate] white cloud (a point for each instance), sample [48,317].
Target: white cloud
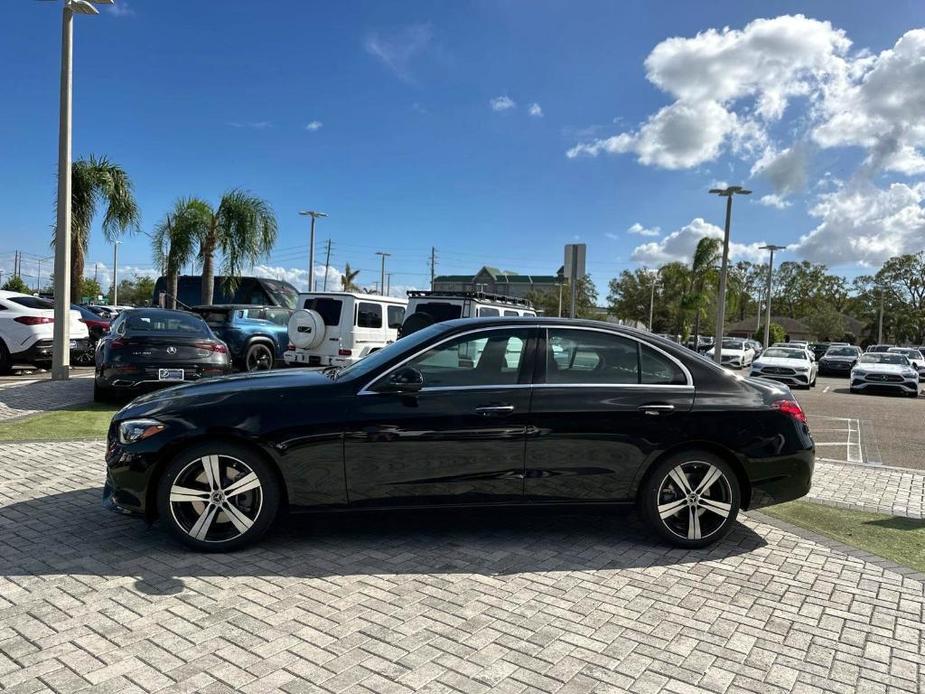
[120,9]
[253,125]
[397,49]
[314,125]
[861,223]
[772,200]
[298,277]
[882,109]
[535,110]
[785,170]
[501,103]
[680,245]
[637,228]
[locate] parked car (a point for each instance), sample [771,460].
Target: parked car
[915,358]
[257,336]
[410,426]
[885,371]
[27,330]
[148,348]
[756,346]
[426,308]
[839,360]
[787,365]
[878,348]
[819,349]
[256,291]
[701,343]
[103,312]
[97,326]
[340,328]
[734,352]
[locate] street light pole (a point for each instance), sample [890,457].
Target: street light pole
[652,300]
[727,192]
[115,273]
[382,271]
[314,214]
[767,297]
[880,321]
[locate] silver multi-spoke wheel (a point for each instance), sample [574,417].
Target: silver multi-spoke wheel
[695,500]
[216,498]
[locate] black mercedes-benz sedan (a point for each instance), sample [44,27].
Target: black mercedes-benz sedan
[468,413]
[149,348]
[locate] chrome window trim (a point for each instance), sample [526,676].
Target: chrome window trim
[689,386]
[675,360]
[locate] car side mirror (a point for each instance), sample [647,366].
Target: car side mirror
[406,380]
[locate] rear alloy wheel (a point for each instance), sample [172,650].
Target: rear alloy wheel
[6,362]
[691,500]
[217,498]
[259,357]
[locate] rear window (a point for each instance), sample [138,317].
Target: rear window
[369,315]
[327,307]
[440,311]
[32,302]
[166,323]
[396,316]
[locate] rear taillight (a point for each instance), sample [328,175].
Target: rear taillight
[217,347]
[33,320]
[344,352]
[290,347]
[118,343]
[792,408]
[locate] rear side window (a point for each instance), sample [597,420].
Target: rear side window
[396,316]
[328,308]
[486,311]
[32,302]
[510,313]
[278,316]
[369,315]
[215,318]
[586,357]
[657,369]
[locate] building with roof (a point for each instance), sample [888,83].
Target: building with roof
[793,328]
[494,281]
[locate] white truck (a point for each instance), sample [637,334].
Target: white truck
[340,328]
[426,308]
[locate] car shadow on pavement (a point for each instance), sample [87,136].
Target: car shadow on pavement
[72,534]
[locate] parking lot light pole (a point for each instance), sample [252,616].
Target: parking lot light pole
[61,338]
[767,297]
[727,192]
[654,277]
[115,273]
[384,255]
[314,214]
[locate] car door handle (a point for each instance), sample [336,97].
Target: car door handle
[494,410]
[656,409]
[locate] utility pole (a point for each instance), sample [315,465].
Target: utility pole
[767,315]
[652,300]
[115,273]
[96,273]
[383,255]
[38,280]
[314,214]
[880,321]
[433,265]
[388,283]
[724,268]
[327,265]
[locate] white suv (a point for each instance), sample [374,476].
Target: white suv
[340,328]
[427,308]
[26,328]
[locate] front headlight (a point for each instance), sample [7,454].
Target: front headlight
[801,368]
[134,430]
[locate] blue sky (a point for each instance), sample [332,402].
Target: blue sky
[414,146]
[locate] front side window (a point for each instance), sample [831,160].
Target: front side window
[483,359]
[369,315]
[396,316]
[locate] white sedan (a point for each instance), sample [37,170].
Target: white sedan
[915,358]
[791,365]
[734,353]
[885,371]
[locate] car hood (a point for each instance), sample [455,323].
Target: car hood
[883,368]
[782,361]
[730,352]
[839,357]
[214,391]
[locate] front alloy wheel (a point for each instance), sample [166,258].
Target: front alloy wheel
[691,500]
[218,497]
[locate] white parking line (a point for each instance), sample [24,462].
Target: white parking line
[826,389]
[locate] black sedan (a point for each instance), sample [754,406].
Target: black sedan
[484,412]
[151,348]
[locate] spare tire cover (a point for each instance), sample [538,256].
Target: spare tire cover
[414,322]
[306,328]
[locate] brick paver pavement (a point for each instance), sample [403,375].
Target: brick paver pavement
[29,397]
[880,489]
[541,602]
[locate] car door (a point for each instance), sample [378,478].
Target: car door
[459,439]
[603,403]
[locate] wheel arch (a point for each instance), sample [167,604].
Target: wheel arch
[176,447]
[728,456]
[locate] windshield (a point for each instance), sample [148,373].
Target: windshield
[841,352]
[908,353]
[779,353]
[386,354]
[883,358]
[733,344]
[282,292]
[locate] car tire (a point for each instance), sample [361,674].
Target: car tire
[192,497]
[677,507]
[6,361]
[259,357]
[102,393]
